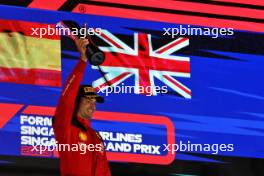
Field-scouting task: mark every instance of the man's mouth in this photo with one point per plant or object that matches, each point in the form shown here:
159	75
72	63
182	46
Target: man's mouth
91	110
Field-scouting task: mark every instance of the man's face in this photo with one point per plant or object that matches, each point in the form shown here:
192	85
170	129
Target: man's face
87	106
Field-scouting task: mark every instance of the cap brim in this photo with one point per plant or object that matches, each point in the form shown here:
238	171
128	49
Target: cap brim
99	99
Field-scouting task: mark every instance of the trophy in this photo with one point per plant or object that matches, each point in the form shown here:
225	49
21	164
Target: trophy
95	56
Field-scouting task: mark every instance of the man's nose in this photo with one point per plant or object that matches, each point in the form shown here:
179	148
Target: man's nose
93	103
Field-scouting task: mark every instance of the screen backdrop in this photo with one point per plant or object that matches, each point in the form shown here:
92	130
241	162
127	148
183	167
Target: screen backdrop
215	88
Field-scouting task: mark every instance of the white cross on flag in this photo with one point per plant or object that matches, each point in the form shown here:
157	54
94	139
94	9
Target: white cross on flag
143	63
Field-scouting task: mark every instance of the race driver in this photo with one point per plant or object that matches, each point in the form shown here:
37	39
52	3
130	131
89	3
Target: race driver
71	124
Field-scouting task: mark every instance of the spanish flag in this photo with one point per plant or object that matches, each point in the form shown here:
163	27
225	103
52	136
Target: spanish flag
28	58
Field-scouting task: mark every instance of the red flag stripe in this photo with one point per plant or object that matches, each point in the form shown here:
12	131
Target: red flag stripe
31	76
111	41
178	85
112	81
29	29
176	42
123	60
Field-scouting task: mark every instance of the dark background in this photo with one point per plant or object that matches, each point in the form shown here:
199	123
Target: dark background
27	166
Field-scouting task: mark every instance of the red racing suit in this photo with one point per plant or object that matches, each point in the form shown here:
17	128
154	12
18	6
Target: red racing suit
75	132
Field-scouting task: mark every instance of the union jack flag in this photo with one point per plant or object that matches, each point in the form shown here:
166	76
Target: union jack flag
144	63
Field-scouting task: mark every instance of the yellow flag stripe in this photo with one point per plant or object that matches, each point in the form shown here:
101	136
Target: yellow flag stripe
19	51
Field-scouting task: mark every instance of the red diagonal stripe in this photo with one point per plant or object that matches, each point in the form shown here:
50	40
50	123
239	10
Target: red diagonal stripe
194	7
166	17
47	4
7	111
250	2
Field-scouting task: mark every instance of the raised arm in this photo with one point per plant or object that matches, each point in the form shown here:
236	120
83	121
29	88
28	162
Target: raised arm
65	108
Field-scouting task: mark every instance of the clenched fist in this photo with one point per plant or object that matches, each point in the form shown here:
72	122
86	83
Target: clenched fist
81	46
